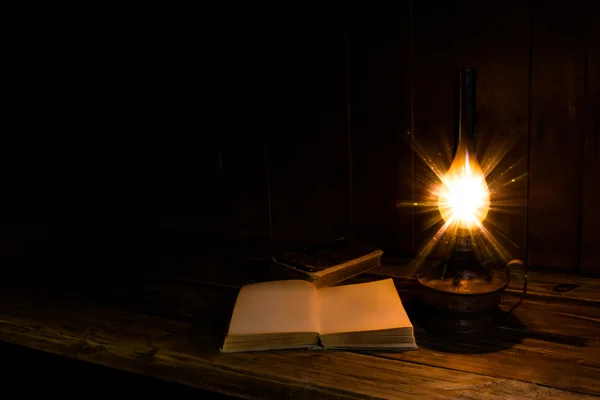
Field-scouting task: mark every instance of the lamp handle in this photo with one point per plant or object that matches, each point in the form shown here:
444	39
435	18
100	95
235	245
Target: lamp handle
510	265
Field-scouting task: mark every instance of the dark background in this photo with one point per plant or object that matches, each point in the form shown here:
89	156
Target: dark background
189	126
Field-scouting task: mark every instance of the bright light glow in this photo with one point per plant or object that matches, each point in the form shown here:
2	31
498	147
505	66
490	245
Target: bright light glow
463	196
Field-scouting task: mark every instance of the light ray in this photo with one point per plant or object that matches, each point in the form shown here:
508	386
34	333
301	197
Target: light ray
509	211
496	245
457	198
493	158
497	226
506	201
431	244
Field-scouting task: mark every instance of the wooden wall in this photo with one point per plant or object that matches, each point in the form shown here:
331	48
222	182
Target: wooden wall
590	212
323	105
259	125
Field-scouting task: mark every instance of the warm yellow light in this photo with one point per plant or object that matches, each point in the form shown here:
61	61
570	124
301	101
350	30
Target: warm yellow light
463	196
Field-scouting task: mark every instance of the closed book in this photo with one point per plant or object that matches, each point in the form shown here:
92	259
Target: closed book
326	265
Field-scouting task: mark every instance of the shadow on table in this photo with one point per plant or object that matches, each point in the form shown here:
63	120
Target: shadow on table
207	335
484	333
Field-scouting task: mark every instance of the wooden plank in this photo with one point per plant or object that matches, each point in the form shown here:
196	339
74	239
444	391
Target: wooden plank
449	35
544	285
56	374
590	217
236	272
219	269
518	390
242	147
207	76
557	105
305	117
185	353
380	121
180	183
546	336
549	336
435	68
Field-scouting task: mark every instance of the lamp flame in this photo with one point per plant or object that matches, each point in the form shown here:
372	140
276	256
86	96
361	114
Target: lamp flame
463	195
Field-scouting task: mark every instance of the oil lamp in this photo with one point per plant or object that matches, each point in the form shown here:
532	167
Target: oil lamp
463	290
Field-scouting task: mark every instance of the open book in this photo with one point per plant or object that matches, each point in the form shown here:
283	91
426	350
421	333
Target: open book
295	314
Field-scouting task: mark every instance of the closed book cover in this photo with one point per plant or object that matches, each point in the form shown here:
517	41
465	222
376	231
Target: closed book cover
326	265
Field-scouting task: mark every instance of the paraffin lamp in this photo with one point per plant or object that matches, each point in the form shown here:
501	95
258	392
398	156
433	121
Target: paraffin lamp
463	290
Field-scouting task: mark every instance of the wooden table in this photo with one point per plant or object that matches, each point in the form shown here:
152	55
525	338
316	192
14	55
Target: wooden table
171	328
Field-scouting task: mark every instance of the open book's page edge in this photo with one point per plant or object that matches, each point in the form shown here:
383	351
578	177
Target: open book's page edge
303	346
307	341
412	345
374	348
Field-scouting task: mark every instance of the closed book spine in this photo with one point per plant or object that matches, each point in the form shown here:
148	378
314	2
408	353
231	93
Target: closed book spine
321	271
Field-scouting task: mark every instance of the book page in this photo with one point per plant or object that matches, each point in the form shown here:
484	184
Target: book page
361	307
275	307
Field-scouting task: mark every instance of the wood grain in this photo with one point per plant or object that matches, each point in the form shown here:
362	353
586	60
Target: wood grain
380	121
176	351
449	35
557	109
590	218
516	389
550	336
550	341
542	285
